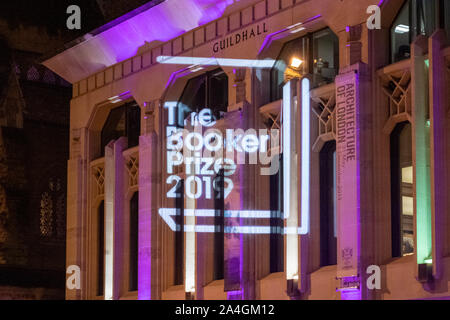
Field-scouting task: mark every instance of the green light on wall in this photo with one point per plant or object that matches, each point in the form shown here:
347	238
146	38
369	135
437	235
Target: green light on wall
423	186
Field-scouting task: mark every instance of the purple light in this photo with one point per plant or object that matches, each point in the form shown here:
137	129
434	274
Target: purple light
130	35
353	294
381	3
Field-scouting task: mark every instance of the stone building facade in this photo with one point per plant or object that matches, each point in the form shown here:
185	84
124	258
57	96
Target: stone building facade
361	170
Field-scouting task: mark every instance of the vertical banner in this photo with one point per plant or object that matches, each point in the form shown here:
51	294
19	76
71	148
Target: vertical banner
348	174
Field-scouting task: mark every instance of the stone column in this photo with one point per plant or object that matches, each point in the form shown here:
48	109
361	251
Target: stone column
76	209
114	197
439	187
148	144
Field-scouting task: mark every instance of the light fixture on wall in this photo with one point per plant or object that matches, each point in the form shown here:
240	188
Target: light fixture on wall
293	70
401	28
296	62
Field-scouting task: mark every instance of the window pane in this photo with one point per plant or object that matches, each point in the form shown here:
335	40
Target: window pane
402	206
179	235
426	17
325	57
294	49
219	235
209	90
276	220
100	248
134	242
124	121
115	127
192	99
401	35
447	17
133	125
328	234
218	93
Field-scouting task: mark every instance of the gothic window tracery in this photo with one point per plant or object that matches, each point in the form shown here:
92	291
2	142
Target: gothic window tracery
52	211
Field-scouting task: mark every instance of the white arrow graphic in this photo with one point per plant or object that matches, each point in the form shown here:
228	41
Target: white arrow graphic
167	215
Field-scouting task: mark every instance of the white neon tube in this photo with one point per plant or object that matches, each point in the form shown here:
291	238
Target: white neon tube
306	156
290	181
198	61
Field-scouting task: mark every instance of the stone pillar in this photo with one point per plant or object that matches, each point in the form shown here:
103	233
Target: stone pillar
354	45
114	197
439	188
148	278
353	154
76	209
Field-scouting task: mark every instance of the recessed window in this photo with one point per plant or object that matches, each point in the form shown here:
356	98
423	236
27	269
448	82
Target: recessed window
134	242
101	249
179	235
124	121
328	232
316	53
276	221
402	200
416	17
209	90
219	235
445	16
401	34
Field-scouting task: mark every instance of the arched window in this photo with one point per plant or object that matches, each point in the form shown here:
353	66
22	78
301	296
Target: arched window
316	54
134	242
53	211
124	121
209	90
417	17
101	249
402	202
328	234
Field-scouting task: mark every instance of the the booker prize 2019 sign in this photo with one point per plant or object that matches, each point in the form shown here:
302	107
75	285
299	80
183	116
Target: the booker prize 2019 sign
348	174
209	158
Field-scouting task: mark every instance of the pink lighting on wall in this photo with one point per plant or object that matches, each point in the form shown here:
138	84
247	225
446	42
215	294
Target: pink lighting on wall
124	39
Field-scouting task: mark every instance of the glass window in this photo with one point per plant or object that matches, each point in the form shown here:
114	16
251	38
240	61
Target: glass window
401	34
134	242
209	90
295	49
325	57
179	235
426	17
124	121
219	235
402	205
328	232
445	14
316	53
276	221
417	17
101	249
